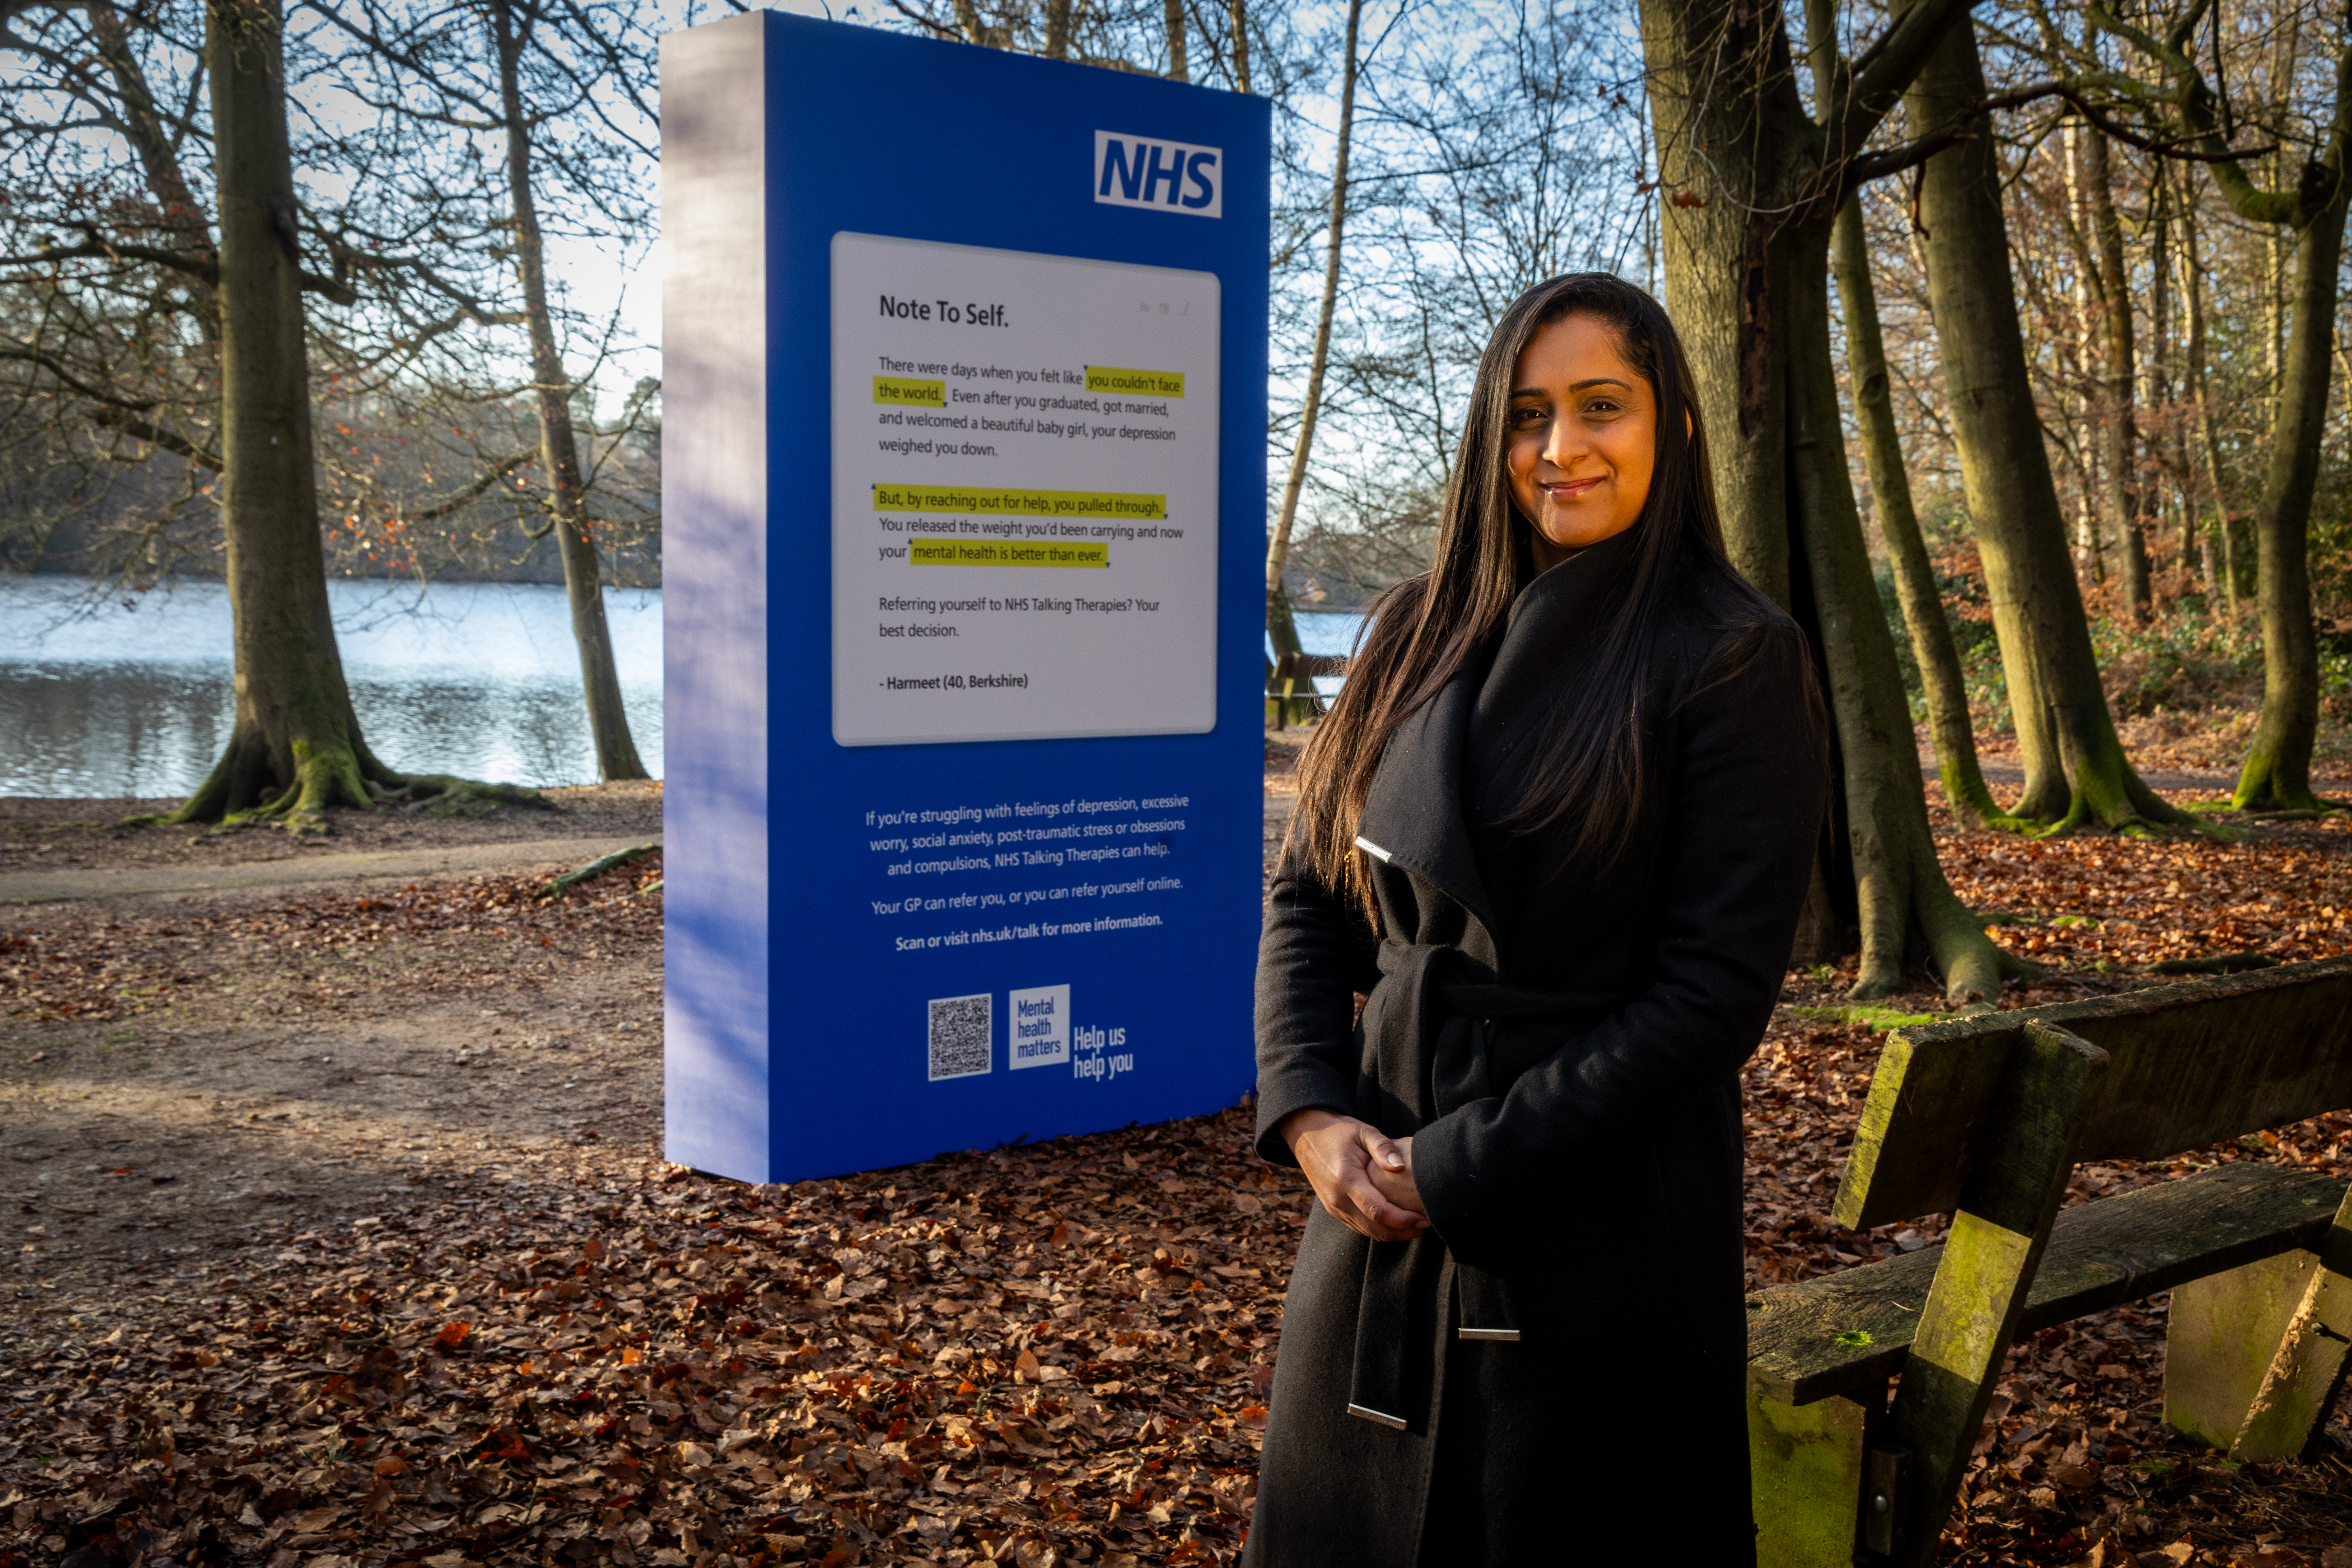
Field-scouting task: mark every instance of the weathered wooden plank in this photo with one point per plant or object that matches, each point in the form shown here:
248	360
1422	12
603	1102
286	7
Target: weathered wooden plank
2130	1246
1806	1469
2188	1065
2307	1371
2101	1255
1998	1235
1795	1352
2222	1334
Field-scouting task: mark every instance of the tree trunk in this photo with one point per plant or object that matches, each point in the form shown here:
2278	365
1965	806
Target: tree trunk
294	748
2222	554
1279	624
1173	11
2167	454
1057	30
1900	890
1724	278
1899	523
1747	260
2277	771
1241	43
608	722
1722	217
2075	771
2090	544
2118	422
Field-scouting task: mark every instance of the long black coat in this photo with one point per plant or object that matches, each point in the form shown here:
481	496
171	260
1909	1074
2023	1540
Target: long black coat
1555	1376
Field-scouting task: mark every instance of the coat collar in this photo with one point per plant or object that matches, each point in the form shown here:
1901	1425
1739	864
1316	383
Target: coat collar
1414	816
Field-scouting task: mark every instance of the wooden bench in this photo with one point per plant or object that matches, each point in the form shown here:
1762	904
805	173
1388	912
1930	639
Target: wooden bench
1984	1119
1286	677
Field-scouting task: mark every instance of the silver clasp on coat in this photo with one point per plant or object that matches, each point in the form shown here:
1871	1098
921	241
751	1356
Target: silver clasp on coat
1382	1416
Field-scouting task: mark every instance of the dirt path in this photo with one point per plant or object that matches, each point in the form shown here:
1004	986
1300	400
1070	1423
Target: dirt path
224	1055
115	882
49	835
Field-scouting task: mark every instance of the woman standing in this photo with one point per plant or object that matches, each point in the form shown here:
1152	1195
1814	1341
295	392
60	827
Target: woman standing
1558	826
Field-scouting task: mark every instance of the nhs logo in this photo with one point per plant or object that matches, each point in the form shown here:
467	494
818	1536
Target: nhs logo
1168	176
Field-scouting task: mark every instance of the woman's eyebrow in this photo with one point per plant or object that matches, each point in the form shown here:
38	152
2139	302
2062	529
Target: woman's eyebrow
1572	386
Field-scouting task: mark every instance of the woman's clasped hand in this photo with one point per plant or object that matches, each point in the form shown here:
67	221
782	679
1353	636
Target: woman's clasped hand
1360	1174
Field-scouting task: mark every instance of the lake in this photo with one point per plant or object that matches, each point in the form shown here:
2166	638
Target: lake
116	698
1329	632
111	698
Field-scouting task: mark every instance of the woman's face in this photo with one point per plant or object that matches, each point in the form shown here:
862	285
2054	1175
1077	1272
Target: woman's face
1583	438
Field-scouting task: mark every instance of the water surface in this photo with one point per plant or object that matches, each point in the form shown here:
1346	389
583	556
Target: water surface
121	697
1331	632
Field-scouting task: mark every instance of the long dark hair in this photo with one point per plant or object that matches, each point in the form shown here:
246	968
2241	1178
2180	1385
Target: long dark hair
1592	758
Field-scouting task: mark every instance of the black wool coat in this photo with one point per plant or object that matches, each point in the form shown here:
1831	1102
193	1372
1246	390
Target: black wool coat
1555	1376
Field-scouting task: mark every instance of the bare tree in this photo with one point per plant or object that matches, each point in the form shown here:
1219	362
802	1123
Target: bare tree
1280	625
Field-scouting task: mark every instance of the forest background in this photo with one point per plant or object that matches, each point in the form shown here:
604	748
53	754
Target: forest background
2019	332
2090	429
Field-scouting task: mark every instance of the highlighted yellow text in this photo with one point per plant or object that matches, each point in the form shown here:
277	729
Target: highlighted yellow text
1016	503
1135	383
1004	552
909	392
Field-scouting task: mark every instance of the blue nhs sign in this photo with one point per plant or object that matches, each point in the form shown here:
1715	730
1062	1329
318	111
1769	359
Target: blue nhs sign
962	850
1170	176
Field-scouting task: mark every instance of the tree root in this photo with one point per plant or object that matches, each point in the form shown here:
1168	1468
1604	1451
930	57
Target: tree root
1974	967
2101	789
559	886
2319	806
2273	784
444	794
242	790
2216	963
1970	799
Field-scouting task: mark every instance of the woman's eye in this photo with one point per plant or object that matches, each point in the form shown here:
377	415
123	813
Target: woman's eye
1525	418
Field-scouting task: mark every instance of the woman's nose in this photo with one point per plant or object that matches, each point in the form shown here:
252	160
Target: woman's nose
1564	443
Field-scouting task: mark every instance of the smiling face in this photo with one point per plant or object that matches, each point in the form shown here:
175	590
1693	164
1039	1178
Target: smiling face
1583	438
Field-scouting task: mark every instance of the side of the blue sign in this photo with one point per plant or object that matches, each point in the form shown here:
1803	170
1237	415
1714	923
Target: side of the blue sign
714	558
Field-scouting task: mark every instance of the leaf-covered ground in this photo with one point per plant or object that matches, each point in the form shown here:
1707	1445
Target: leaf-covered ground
1055	1353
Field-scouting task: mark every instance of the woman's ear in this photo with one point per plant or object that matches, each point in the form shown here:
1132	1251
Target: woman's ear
1689	426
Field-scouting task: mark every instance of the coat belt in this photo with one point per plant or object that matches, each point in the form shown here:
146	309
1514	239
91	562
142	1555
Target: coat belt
1430	1048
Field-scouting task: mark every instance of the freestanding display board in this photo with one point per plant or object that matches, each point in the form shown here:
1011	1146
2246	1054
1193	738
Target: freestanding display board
963	493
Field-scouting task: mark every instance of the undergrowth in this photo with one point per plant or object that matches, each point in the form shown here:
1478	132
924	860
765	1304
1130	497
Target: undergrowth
2192	674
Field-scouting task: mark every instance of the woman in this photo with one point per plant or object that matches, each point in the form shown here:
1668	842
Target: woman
1558	826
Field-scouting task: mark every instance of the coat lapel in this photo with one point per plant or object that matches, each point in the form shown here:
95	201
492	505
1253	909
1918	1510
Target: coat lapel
1412	814
1415	817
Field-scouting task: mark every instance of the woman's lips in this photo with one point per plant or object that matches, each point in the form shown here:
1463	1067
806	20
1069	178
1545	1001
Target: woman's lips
1569	490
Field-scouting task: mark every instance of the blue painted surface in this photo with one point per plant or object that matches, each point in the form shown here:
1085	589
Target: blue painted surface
811	1054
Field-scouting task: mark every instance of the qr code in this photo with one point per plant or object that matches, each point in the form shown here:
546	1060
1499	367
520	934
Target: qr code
960	1040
